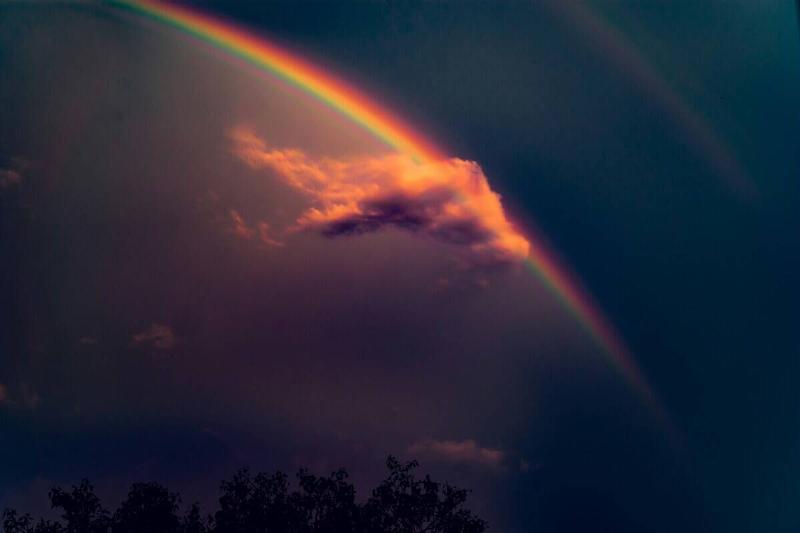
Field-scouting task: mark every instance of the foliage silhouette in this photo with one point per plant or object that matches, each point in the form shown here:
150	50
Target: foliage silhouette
149	507
266	503
81	508
402	503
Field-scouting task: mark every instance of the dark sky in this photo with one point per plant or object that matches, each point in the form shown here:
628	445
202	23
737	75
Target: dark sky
609	127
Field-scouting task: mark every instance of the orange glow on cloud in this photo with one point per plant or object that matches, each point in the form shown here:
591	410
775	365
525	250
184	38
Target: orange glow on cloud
448	199
240	228
466	451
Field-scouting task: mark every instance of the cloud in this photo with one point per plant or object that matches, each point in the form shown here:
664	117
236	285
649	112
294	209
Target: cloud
9	178
13	172
447	200
453	451
239	226
261	231
160	336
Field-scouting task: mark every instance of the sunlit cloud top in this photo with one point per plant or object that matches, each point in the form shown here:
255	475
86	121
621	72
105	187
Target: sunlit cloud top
448	200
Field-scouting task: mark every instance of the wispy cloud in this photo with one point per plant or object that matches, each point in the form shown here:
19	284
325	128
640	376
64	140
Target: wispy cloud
159	336
455	451
261	231
232	222
448	200
238	226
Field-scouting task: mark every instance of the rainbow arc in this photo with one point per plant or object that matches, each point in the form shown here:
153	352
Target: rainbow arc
401	137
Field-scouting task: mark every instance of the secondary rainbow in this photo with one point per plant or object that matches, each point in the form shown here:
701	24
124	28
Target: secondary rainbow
397	134
614	46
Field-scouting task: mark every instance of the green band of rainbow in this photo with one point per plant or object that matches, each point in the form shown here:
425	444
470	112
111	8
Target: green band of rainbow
398	135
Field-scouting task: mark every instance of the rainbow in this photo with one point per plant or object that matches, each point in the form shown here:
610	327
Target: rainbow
616	48
578	302
399	136
293	70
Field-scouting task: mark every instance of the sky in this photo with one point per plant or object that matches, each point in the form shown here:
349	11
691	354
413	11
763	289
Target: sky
189	284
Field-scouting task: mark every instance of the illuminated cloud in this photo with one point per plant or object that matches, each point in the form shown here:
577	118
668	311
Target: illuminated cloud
159	336
453	451
448	200
261	231
239	226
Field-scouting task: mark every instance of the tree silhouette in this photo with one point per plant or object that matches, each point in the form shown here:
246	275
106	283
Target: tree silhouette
325	504
250	504
402	503
81	509
148	507
264	503
193	522
12	523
